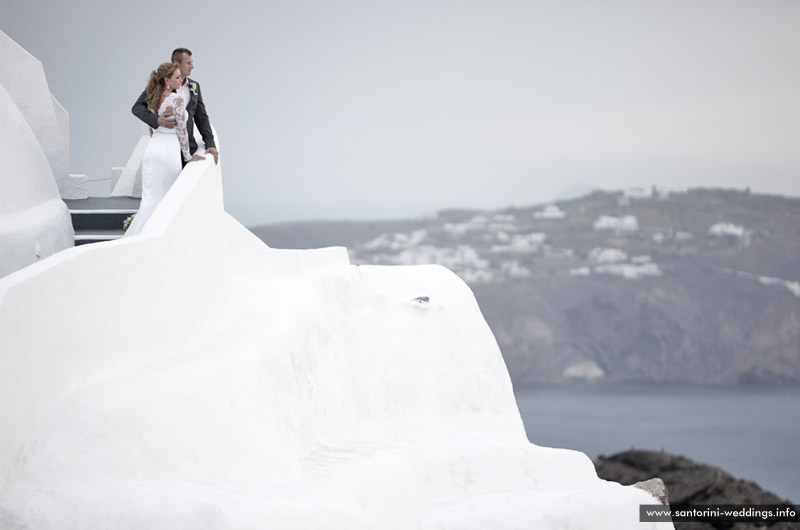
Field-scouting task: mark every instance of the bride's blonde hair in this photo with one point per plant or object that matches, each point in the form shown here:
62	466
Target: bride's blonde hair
155	85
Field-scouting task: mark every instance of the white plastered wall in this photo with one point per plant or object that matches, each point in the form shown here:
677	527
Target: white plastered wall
129	181
62	119
34	221
98	303
24	79
315	394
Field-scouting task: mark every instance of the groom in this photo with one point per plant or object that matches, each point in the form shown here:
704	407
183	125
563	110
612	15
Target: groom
190	91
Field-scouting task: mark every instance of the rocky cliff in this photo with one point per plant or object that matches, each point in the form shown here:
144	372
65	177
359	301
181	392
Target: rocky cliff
689	482
696	286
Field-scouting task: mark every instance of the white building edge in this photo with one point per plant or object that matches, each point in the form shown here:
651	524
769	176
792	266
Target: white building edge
34	140
193	377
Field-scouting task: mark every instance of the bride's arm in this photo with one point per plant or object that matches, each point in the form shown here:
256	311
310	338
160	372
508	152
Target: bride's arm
180	127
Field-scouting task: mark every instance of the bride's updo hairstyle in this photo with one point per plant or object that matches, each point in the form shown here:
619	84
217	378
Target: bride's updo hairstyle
155	85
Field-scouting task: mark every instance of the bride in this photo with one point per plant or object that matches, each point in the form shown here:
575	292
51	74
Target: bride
161	164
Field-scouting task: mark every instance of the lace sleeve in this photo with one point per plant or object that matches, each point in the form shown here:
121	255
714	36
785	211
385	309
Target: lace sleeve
180	127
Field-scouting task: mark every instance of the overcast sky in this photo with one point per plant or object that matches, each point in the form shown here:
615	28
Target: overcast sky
373	109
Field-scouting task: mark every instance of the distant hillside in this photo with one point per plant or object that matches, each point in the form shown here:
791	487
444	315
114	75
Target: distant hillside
698	286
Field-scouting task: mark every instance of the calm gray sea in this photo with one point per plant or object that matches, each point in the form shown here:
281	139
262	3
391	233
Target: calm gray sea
751	432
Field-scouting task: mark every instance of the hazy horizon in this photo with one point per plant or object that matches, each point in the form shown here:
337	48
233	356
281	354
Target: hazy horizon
362	110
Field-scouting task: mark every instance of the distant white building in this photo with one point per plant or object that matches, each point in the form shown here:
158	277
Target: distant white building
664	193
522	243
727	229
631	271
587	370
638	193
608	255
551	211
581	271
514	270
627	223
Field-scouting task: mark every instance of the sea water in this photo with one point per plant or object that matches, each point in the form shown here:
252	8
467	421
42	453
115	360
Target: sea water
752	433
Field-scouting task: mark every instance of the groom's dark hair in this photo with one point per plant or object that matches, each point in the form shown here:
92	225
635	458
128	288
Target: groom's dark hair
177	54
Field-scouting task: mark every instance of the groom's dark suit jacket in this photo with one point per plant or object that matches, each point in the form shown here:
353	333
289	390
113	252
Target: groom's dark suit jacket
197	114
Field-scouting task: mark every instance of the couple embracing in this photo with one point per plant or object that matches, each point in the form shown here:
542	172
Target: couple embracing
171	105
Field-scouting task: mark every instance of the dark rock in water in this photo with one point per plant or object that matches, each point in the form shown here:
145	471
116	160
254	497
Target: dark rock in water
689	482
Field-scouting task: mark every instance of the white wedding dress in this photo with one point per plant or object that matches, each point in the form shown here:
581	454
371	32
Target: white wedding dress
161	164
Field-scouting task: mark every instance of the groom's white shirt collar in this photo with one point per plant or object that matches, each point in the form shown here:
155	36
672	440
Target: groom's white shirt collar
185	93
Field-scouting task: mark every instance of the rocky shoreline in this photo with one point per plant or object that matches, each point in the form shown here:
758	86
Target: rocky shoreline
689	482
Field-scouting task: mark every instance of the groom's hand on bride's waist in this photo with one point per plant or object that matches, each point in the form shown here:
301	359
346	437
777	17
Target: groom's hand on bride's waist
168	122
